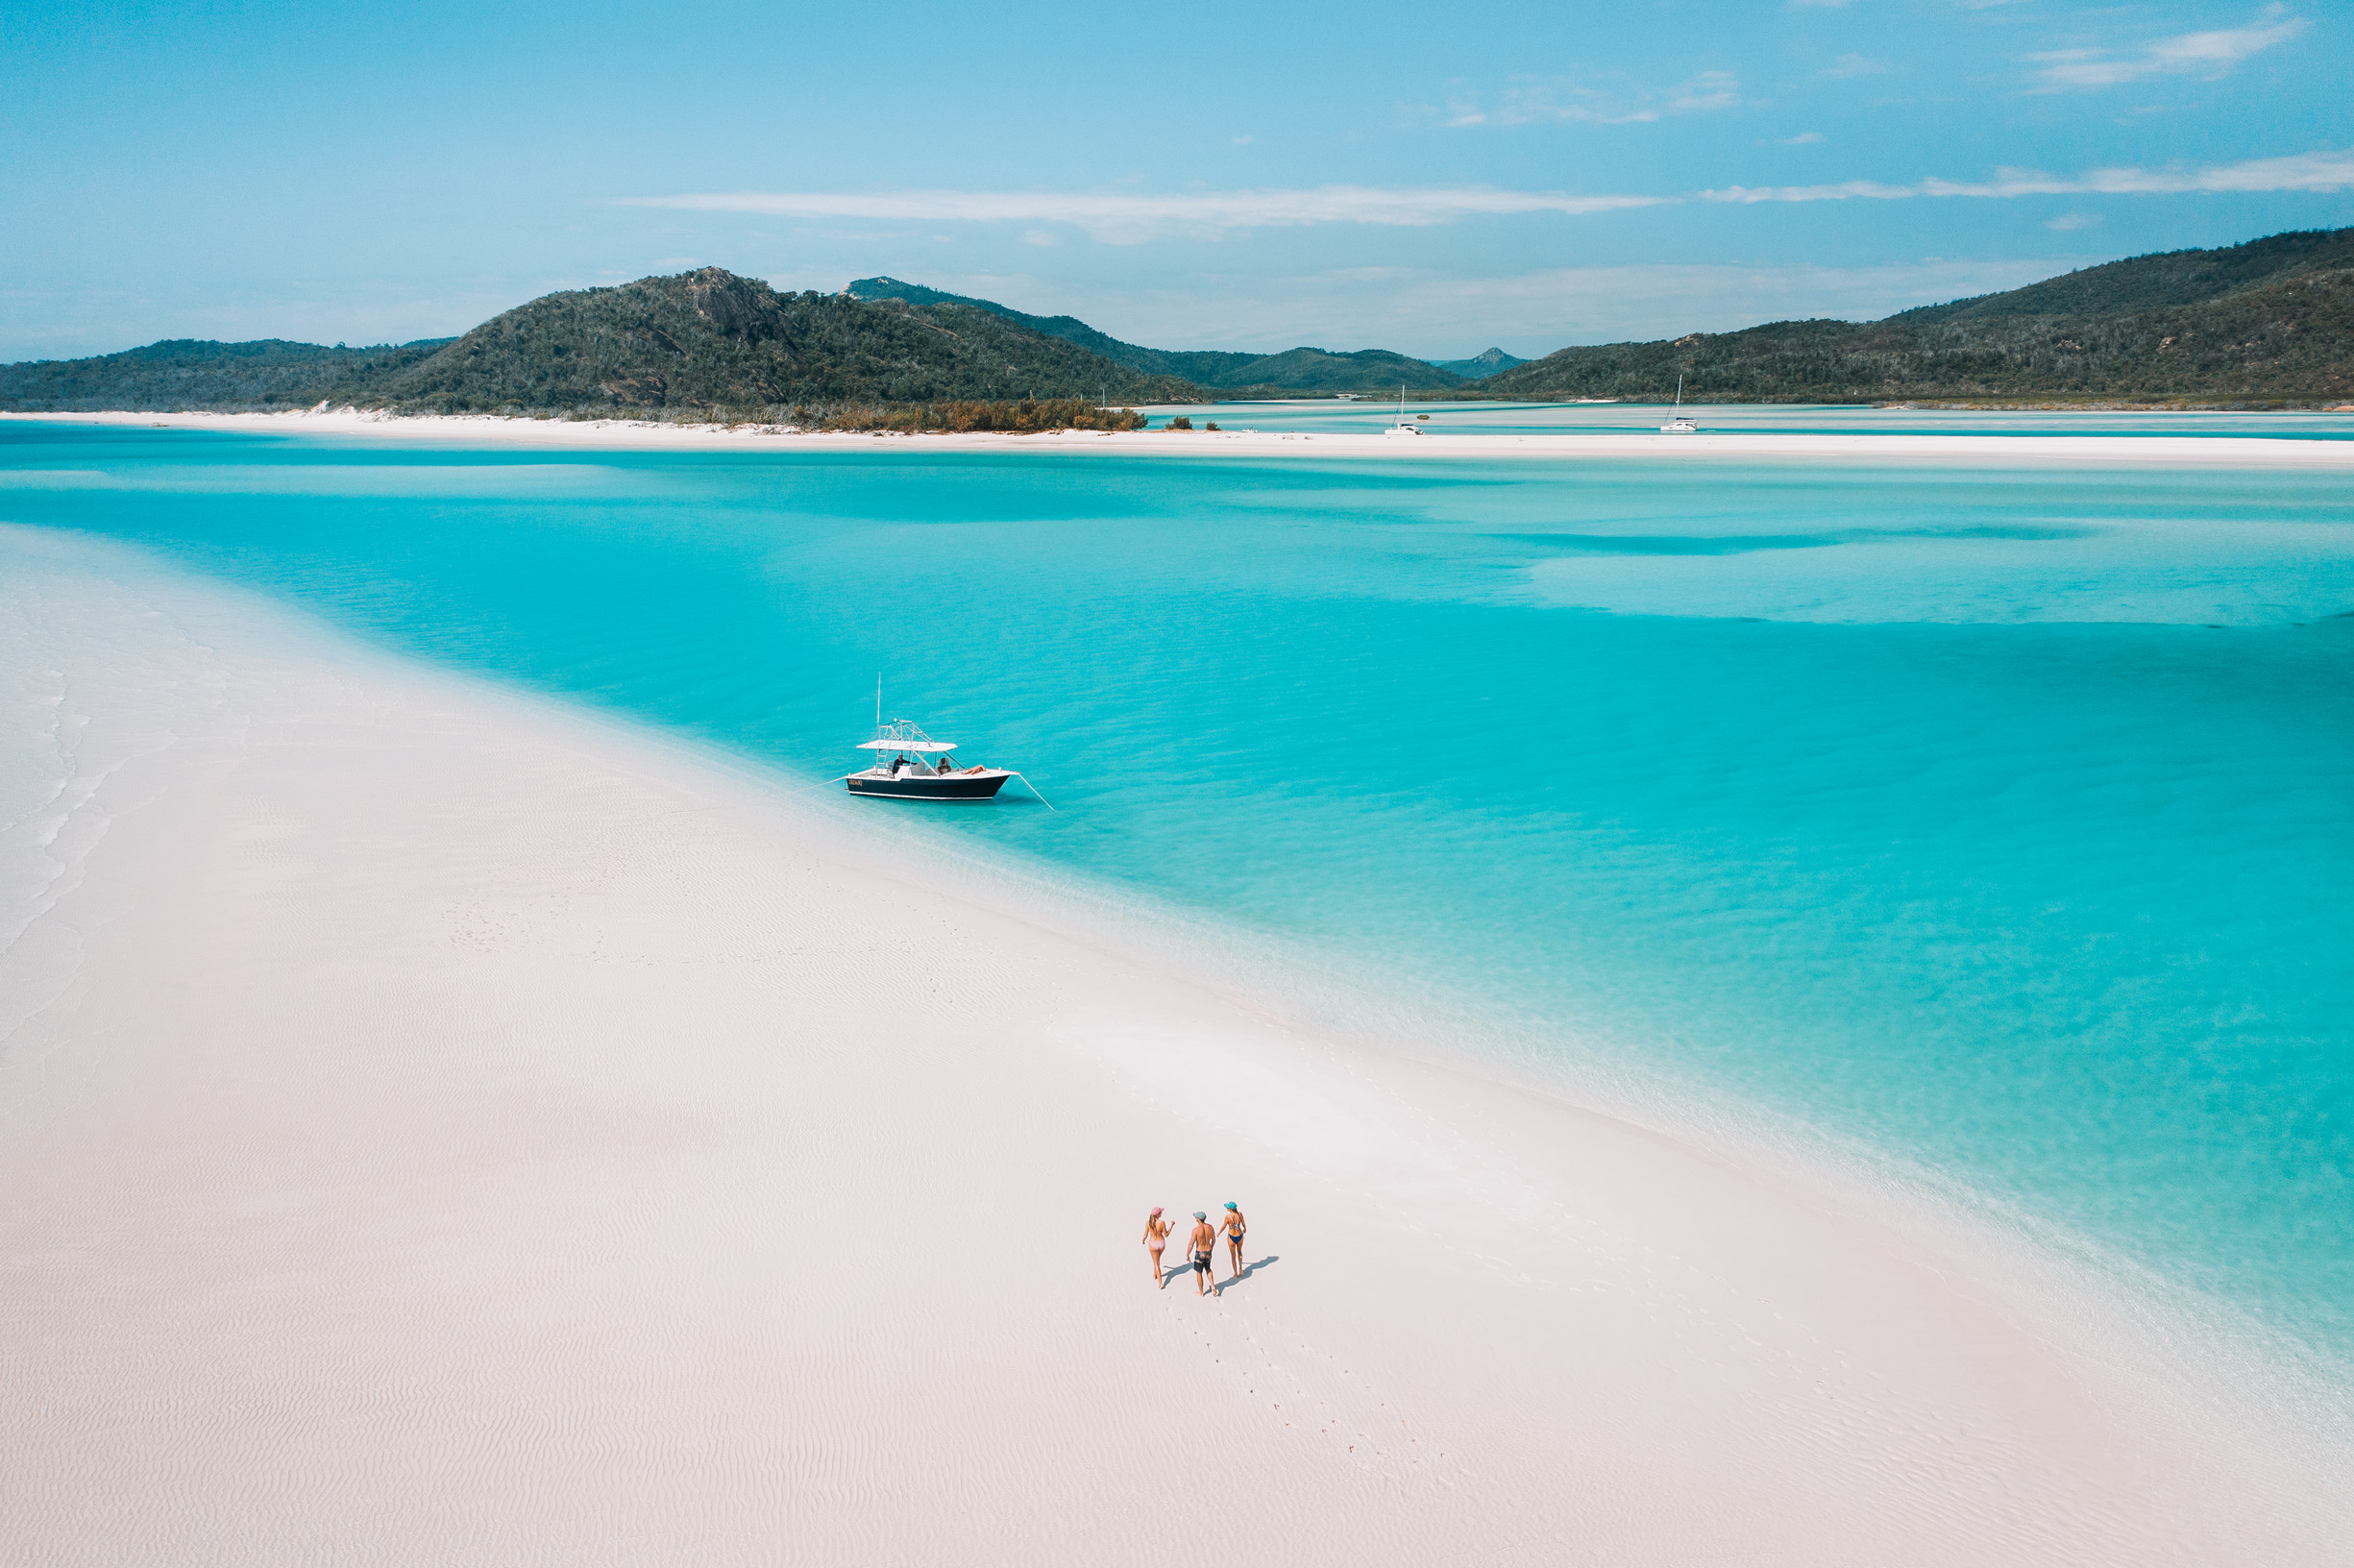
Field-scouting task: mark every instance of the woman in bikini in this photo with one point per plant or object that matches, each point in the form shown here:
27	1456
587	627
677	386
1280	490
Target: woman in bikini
1235	1227
1156	1236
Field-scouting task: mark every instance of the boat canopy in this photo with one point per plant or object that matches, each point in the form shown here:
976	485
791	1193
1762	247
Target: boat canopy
926	746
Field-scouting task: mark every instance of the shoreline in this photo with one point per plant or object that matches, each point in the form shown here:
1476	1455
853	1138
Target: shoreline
2021	450
615	1109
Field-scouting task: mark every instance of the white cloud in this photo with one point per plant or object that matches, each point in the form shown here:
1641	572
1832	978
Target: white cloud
2211	54
1805	138
1709	89
2302	171
1849	66
1560	101
1127	218
2075	220
1121	218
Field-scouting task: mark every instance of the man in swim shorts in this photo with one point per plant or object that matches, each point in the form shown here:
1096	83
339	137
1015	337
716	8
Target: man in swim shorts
1204	1243
1234	1226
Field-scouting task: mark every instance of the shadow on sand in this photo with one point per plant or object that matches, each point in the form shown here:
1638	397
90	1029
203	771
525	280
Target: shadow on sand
1173	1273
1249	1269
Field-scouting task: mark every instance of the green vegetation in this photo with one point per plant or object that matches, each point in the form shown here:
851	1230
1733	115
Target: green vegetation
2269	321
710	339
184	373
1027	416
701	342
2272	321
1481	365
1231	375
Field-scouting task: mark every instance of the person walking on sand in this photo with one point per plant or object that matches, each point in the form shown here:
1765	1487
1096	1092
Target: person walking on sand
1205	1244
1235	1226
1156	1236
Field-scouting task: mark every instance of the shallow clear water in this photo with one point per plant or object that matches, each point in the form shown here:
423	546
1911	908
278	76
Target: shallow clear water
2000	820
1371	415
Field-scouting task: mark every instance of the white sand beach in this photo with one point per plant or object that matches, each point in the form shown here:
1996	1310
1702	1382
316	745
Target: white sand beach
437	1126
2008	451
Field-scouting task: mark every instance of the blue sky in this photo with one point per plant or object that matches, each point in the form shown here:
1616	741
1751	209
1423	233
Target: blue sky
1431	179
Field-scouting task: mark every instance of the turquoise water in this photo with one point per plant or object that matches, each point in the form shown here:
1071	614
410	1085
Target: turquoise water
1328	416
1998	821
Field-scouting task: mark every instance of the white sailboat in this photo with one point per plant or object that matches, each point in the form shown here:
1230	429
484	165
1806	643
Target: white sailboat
1676	424
1403	426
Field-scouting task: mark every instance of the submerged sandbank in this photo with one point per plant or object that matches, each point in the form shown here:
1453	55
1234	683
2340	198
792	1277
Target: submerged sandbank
436	1126
2007	451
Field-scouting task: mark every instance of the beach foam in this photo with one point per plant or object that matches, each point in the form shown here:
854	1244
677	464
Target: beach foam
445	1128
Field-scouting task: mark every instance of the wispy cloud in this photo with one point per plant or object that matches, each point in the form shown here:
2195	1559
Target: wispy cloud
1128	218
1124	218
2075	220
2302	171
1805	138
2211	54
1561	101
1852	65
1709	89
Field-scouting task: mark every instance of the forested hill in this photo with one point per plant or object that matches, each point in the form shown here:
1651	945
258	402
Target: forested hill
2270	319
1485	364
1294	370
186	373
707	339
712	339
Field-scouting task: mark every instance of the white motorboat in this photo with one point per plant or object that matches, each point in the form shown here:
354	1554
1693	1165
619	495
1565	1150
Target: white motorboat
923	769
920	768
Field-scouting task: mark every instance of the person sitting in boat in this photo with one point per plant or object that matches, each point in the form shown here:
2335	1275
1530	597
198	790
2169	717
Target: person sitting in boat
899	766
943	767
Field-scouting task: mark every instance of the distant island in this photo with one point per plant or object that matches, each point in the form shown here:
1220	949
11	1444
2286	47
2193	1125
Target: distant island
1218	374
2269	322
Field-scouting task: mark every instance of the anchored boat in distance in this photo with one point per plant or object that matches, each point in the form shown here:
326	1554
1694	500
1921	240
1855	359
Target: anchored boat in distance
923	769
1676	424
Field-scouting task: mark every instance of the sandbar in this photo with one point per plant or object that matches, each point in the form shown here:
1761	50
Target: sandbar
438	1125
1980	450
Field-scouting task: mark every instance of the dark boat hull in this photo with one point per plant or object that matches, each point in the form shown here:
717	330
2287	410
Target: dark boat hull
931	786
